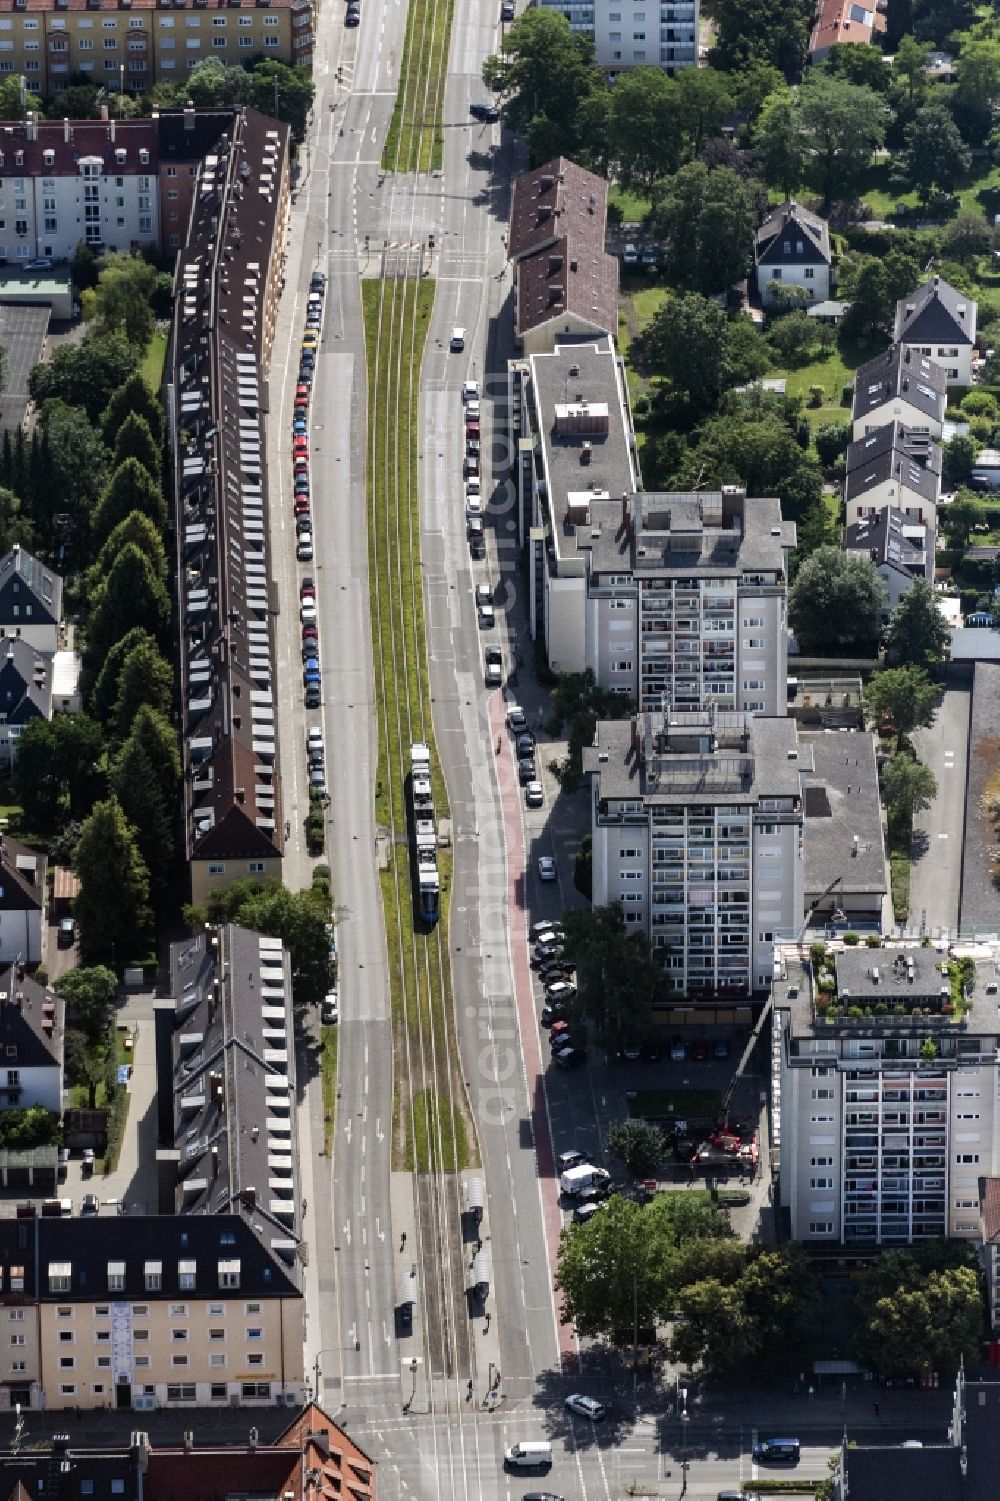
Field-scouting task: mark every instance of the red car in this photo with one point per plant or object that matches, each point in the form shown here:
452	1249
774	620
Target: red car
301	505
472	429
301	393
310	632
300	463
300	444
699	1051
307	589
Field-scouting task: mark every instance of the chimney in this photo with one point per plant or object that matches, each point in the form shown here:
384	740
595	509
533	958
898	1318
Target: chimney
188	1441
104	113
937	282
111	126
31	121
189	116
67	133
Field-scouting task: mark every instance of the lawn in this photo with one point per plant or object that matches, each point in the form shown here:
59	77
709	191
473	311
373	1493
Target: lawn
328	1063
415	139
831	372
152	361
633	206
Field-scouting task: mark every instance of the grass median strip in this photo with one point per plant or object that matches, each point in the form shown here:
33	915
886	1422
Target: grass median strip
328	1058
415	139
426	1055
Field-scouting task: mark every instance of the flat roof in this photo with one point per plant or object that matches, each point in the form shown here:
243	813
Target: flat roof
841	805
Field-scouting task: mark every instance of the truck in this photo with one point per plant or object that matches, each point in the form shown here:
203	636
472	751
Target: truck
585	1175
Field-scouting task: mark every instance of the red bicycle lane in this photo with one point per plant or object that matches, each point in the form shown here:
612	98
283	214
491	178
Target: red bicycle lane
534	1068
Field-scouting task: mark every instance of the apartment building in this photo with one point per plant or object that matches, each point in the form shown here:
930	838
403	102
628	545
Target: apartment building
128	45
893	466
903	386
939	323
888	1102
847	879
566	285
902	550
226	291
226	1085
184	137
636	33
664	597
697	827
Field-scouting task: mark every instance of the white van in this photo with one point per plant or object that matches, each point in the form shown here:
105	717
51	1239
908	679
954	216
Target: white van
584	1175
529	1456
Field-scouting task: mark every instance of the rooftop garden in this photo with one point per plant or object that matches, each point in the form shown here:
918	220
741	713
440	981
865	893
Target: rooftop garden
958	974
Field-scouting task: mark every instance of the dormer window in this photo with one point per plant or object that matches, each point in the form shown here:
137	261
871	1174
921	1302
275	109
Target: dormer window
120	156
229	1274
116	1276
143	157
49	158
153	1276
60	1276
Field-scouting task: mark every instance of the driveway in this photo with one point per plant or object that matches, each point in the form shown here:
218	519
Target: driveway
935	877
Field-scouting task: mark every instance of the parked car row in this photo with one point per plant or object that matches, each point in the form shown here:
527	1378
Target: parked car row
312	679
474	526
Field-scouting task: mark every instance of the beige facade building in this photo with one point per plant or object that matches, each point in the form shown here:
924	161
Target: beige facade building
132	44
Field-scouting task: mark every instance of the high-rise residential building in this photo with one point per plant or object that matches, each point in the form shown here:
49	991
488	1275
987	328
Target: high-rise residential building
697	828
888	1089
636	33
669	598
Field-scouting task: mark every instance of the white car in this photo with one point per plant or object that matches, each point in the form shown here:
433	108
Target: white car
307	613
484	594
470	391
473	485
457	340
487	619
546	868
585	1407
472	411
314	738
630	255
473	507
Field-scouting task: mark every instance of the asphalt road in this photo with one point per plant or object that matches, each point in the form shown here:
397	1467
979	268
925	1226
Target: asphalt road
935	874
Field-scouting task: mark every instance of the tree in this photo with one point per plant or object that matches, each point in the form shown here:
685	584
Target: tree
958	519
87	1062
843	124
934	21
835	603
831	441
131	595
686	340
966	236
79	101
640	1145
923	1322
131	488
781	154
977	87
113	905
706	219
156	736
618	979
762	31
918	633
84	374
859	62
796	337
751	444
644	129
298	918
935	156
145	681
138	529
284	92
752	86
909	64
57	773
12	105
135	441
874	286
759	1314
907	787
711	1326
103	693
958	458
62	497
544	73
90	997
213	85
578	702
903	696
133	396
133	781
705	100
122	298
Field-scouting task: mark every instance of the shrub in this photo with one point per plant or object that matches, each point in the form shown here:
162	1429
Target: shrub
852	940
979	404
873	941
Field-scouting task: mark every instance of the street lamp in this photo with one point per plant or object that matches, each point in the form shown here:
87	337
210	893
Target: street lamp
684	1423
325	1351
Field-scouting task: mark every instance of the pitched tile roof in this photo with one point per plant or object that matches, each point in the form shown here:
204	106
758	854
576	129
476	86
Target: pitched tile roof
22	873
45	587
786	229
553	201
899	372
56	147
842	22
891	540
25	681
989	1209
935	314
31	1020
569	277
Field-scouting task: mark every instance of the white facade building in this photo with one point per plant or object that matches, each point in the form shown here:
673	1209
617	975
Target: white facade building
636	33
697	826
901	386
939	323
792	249
892	466
881	1143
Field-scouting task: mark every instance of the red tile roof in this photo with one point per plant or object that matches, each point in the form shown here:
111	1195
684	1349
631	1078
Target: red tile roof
569	277
71	140
556	200
841	22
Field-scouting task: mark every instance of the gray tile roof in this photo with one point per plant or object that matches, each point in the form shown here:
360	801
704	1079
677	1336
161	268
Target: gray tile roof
841	802
927	1474
25	580
899	373
22	876
875	468
785	230
891	541
31	1020
227	1079
936	314
25	682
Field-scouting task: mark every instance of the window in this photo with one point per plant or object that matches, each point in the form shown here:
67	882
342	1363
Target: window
140	1334
178	1311
65	1336
16	1315
217	1310
184	1391
102	1337
179	1336
60	1276
255	867
66	1362
17	1340
141	1362
178	1360
216	1360
153	1273
255	1334
820	1227
820	1182
821	1162
809	273
229	1274
186	1271
967	1157
259	1390
250	1309
246	41
271	41
116	1276
103	1362
217	870
67	1390
753	643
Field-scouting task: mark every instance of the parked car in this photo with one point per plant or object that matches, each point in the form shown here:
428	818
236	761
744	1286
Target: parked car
543	925
677	1053
550	1014
527	772
330	1009
533	794
548	948
630	255
560	990
481	110
487	617
87	1162
300	505
304	550
90	1204
317	781
546	868
507	11
67	933
699	1051
720	1048
313	697
572	1058
526	744
492	672
586	1211
307	587
516	721
569	1159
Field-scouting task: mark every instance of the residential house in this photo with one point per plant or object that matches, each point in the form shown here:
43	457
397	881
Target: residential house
939	323
31	1042
25	692
566	285
612	568
145	42
184	137
792	249
22	902
227	285
902	550
899	385
842	23
631	35
697	829
30	600
895	467
884	1139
